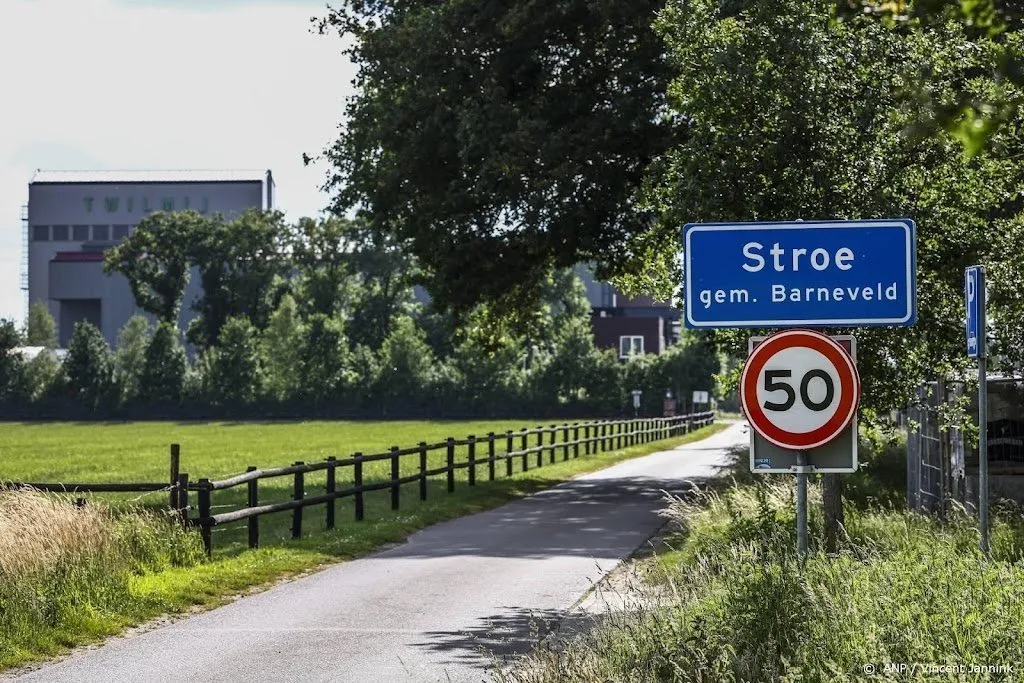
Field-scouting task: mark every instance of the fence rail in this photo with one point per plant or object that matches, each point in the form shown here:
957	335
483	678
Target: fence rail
483	456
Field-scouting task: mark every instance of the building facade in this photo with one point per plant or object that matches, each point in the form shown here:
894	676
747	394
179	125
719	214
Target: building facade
631	326
73	217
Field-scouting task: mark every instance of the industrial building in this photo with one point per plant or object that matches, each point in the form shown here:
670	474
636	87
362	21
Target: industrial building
73	217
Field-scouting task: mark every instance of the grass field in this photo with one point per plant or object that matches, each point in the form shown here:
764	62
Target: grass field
143	571
122	452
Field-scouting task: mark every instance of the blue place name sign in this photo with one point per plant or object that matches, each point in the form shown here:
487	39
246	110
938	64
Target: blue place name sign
797	273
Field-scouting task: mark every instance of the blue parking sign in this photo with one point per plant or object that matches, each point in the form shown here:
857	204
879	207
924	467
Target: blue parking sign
974	293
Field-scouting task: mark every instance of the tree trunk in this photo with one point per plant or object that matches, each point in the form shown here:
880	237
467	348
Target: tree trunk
832	495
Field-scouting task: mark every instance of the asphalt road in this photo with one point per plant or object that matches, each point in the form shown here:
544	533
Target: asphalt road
442	607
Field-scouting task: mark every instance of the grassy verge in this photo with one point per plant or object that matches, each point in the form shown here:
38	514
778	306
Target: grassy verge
732	601
87	581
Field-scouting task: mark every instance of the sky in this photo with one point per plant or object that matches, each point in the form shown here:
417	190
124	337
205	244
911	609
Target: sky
163	84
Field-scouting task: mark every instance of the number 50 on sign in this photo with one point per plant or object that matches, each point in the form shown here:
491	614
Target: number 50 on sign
799	390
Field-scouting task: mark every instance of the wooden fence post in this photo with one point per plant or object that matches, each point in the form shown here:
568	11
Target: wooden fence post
182	505
540	445
205	506
423	470
554	435
586	438
175	471
395	476
576	440
357	484
331	488
253	499
508	449
565	442
451	464
523	445
490	456
297	494
472	460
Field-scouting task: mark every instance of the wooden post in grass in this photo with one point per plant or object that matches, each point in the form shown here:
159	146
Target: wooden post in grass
357	484
472	460
490	456
175	471
554	435
508	449
297	494
451	464
205	505
252	501
576	439
540	445
523	445
586	438
423	470
182	506
565	442
395	476
331	488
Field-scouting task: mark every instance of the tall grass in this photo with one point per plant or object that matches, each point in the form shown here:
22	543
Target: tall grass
66	572
733	601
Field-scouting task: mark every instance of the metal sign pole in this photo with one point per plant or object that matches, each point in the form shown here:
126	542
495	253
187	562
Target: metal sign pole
982	413
801	503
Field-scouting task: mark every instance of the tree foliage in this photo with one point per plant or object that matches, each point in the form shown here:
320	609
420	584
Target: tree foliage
791	115
41	328
496	141
155	259
89	366
130	357
163	374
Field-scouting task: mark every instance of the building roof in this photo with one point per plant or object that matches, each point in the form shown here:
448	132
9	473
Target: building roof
137	176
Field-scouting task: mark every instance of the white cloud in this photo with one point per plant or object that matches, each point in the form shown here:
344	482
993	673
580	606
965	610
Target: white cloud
105	84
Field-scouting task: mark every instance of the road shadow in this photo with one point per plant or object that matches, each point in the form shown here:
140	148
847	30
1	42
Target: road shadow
598	518
495	641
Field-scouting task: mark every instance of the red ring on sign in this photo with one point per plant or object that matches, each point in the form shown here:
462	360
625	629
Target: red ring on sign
849	389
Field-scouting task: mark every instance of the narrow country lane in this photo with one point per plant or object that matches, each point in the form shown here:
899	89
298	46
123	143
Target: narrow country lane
427	609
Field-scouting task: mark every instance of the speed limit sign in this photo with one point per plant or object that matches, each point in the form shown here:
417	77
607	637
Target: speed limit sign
799	389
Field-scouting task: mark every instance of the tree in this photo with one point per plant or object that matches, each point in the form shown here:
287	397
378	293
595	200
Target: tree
240	264
280	348
12	365
89	366
499	140
41	327
791	115
325	365
386	274
155	259
406	364
970	116
130	358
232	368
321	251
163	374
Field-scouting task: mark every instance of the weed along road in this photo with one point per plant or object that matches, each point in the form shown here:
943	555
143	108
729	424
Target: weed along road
429	609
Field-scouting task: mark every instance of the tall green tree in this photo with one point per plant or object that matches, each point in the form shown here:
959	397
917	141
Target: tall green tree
12	365
499	140
41	328
241	263
232	372
89	366
280	351
163	374
130	357
322	251
156	259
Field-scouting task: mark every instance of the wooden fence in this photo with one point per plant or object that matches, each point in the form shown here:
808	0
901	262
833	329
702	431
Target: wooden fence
487	453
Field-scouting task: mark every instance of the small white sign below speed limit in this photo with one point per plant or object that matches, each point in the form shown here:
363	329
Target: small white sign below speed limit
799	389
